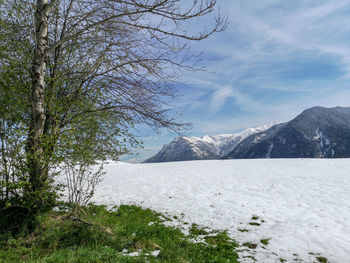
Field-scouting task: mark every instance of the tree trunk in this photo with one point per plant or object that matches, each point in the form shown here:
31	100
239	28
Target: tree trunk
4	160
36	158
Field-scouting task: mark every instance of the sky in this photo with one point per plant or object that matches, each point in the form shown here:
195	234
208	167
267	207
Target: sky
275	59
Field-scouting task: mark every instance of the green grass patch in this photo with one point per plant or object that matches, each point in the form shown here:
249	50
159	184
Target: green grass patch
197	231
322	259
254	224
110	236
265	241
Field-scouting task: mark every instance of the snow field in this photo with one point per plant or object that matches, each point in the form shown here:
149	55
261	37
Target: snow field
302	206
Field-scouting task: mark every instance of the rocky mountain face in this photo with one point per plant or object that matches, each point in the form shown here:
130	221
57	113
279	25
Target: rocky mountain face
205	148
316	133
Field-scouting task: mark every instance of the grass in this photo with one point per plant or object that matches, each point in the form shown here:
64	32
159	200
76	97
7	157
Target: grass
110	236
265	241
197	231
322	259
250	245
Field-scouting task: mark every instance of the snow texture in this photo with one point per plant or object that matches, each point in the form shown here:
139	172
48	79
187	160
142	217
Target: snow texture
302	205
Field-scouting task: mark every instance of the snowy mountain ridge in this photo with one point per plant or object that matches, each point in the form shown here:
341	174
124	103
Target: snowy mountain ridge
206	147
317	132
224	143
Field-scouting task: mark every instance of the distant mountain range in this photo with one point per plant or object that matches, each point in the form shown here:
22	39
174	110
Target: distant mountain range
315	133
204	148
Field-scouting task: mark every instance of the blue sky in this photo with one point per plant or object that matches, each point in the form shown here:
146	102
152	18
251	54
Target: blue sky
275	59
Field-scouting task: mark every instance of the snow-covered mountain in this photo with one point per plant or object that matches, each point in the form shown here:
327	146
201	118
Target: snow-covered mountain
203	148
317	132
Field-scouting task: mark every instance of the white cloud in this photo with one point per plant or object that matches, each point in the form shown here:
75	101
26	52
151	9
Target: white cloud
260	34
265	33
219	98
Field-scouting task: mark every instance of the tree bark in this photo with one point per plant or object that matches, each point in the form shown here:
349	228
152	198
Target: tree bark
37	170
4	160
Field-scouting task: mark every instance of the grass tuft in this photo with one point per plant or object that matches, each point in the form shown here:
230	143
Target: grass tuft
265	241
322	259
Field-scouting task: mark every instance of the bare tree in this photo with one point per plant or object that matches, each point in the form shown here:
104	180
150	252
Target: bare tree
82	180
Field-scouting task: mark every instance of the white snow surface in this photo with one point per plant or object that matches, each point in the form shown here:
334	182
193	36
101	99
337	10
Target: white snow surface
304	203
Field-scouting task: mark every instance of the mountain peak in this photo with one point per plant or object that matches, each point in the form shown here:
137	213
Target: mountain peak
317	132
206	147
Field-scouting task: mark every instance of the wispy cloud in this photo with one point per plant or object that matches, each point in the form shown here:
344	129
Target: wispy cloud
219	98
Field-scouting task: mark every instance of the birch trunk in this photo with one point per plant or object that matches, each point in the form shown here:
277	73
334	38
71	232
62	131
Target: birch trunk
6	176
37	170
